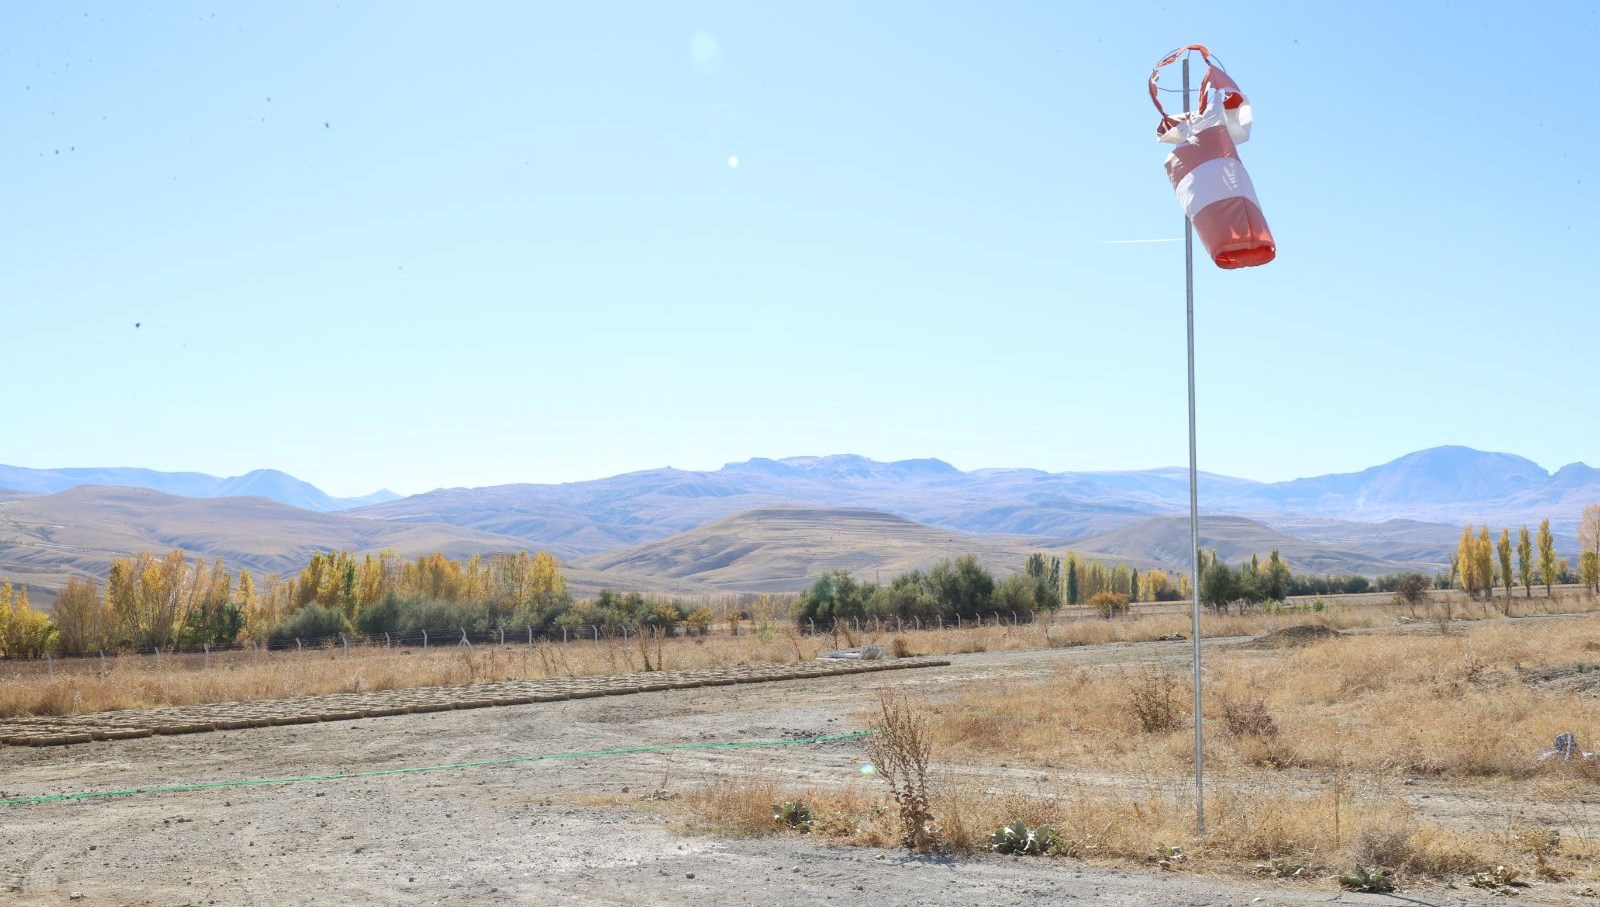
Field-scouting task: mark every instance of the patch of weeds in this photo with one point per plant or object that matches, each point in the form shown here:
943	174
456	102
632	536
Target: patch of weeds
1542	843
794	814
1168	857
1372	879
1282	869
1019	839
1499	879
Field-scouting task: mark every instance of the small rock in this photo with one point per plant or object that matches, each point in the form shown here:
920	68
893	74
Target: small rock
688	875
77	896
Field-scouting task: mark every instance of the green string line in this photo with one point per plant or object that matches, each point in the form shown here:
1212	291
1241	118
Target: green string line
515	760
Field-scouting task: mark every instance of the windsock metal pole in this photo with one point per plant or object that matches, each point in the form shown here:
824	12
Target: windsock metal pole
1194	510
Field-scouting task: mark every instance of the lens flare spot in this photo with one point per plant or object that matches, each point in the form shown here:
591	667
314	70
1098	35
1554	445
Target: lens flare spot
733	162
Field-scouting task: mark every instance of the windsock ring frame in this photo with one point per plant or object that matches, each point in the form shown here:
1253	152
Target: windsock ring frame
1204	167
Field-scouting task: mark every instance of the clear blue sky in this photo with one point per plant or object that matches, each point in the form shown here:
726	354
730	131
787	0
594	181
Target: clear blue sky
438	244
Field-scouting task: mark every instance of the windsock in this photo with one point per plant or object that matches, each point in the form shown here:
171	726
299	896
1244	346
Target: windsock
1206	173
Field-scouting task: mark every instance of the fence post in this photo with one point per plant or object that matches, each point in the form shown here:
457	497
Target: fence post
596	629
502	636
1033	617
424	639
49	664
958	621
813	623
464	641
345	641
940	619
624	632
563	634
857	620
1013	618
387	643
207	647
158	658
102	661
530	636
917	619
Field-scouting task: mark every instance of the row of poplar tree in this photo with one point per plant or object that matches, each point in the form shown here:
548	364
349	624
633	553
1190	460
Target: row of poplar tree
1481	563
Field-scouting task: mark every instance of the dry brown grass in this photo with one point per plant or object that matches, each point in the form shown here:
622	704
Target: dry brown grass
1475	703
1247	826
1307	750
139	681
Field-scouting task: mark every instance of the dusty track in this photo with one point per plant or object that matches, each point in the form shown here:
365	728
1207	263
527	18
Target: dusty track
233	716
547	832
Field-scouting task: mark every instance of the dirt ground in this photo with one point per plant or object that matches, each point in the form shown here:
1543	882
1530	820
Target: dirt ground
550	832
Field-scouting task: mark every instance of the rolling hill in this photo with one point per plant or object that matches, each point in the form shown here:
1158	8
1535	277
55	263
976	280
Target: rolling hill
782	549
45	538
266	483
1165	542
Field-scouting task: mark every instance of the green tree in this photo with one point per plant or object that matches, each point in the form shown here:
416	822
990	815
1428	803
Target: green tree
1275	578
962	586
1072	581
1547	556
834	596
1218	586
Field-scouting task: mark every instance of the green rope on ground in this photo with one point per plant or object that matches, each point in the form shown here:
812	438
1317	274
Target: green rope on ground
515	760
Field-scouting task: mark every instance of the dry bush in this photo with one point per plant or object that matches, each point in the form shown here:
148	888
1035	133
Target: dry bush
1248	716
1154	700
900	749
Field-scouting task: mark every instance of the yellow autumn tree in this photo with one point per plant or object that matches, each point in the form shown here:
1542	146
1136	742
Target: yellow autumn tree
1467	563
1547	556
81	616
1503	548
1483	553
24	632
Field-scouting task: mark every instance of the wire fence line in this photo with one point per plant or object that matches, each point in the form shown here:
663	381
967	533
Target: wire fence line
465	637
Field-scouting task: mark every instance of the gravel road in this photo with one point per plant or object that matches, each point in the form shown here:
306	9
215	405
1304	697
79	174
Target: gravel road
548	832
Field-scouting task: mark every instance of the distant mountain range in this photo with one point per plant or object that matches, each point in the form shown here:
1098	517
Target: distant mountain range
263	483
1447	484
772	524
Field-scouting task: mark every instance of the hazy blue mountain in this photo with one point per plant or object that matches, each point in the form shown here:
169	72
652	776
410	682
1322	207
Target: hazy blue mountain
1448	485
266	483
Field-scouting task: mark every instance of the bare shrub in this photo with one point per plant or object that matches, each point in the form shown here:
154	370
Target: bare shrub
1153	697
899	648
1248	717
1385	839
900	749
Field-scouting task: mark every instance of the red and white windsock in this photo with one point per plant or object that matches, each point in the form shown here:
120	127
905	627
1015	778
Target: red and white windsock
1205	170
